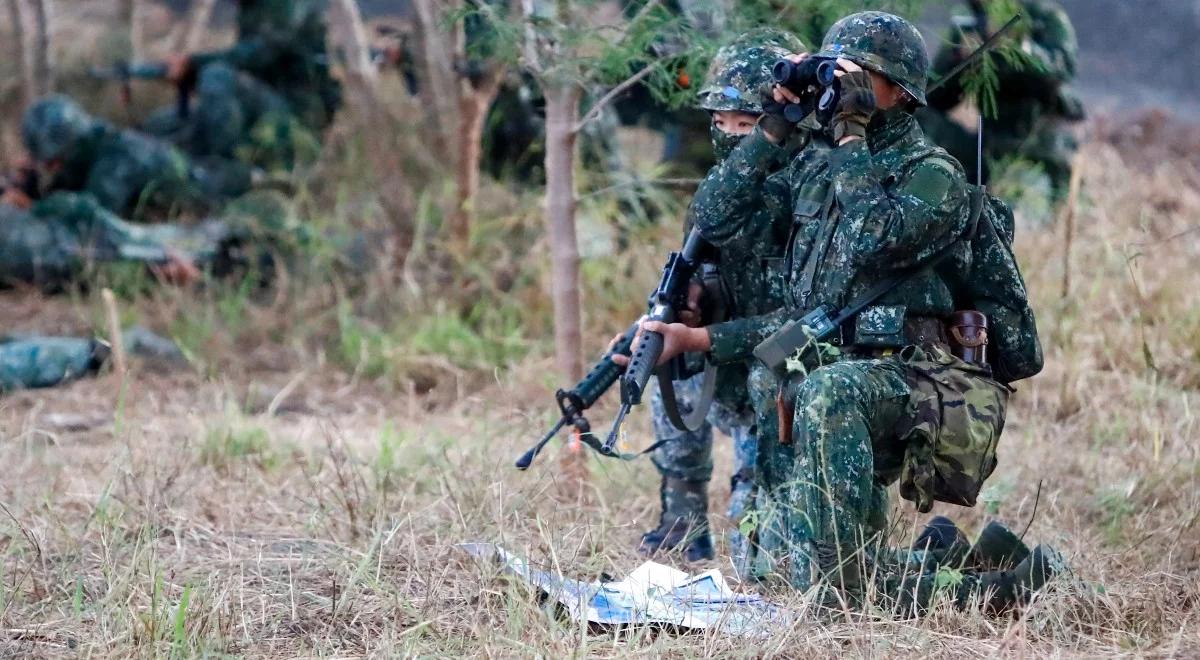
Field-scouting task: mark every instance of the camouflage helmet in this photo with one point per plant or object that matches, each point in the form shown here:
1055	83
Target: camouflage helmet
742	67
52	125
883	43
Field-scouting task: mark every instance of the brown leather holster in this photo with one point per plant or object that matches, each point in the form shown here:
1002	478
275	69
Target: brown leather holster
785	407
968	336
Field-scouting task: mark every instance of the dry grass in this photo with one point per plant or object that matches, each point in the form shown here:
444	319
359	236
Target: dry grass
272	504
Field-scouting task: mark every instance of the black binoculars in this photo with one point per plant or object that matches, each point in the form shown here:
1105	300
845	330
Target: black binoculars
812	79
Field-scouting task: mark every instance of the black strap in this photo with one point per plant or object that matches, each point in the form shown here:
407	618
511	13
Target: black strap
693	420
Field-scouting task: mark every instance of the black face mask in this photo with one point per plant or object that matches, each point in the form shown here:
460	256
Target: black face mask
723	143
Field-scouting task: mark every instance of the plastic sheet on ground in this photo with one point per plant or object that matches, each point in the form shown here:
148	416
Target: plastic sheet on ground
653	594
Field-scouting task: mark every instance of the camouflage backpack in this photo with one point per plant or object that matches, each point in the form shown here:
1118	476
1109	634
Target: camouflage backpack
991	282
957	410
994	286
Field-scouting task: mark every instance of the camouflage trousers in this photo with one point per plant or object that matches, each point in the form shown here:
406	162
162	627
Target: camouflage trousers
688	455
821	505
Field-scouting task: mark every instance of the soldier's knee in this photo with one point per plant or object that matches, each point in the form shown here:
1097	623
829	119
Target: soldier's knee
831	386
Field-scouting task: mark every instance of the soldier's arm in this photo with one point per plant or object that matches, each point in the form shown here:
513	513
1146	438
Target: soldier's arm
726	203
734	341
97	231
926	211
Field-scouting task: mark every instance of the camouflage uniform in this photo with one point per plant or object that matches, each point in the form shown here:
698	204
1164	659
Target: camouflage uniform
860	212
131	174
266	99
64	234
749	272
51	244
1034	104
34	361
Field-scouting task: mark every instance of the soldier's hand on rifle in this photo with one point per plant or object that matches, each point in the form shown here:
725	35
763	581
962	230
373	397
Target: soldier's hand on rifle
178	270
678	339
179	65
691	315
13	196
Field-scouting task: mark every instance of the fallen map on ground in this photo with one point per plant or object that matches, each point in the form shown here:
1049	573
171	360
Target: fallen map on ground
653	594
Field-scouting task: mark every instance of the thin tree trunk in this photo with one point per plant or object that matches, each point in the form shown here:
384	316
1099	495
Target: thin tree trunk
132	15
21	52
346	27
473	105
437	74
562	112
43	72
188	35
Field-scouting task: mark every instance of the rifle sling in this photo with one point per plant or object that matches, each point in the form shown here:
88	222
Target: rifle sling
693	420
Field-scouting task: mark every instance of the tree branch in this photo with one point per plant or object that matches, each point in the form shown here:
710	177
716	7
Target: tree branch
612	94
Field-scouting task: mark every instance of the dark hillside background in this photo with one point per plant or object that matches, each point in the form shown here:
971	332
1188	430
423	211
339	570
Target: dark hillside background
1134	53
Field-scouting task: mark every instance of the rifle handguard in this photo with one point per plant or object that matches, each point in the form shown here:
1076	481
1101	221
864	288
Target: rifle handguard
641	367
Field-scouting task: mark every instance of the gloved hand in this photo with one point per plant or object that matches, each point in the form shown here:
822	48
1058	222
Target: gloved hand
772	122
856	104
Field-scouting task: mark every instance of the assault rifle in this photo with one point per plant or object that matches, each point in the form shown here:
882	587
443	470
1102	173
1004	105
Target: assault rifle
124	72
667	298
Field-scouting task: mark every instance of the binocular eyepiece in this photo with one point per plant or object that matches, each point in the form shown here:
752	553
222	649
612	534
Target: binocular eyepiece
810	72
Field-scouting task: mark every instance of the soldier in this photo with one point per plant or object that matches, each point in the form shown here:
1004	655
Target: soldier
748	267
131	174
267	98
875	200
52	244
1034	103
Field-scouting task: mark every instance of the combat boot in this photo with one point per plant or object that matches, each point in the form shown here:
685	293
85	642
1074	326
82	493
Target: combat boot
941	543
1006	589
998	548
684	521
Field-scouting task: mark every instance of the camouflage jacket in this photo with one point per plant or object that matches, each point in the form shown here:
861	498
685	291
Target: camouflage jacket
750	251
1027	91
50	244
135	176
282	43
860	213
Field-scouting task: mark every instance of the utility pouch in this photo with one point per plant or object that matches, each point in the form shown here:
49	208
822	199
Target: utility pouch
796	335
880	326
950	432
